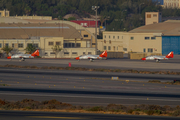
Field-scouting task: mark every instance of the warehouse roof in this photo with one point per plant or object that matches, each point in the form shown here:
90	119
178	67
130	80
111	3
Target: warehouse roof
28	30
170	27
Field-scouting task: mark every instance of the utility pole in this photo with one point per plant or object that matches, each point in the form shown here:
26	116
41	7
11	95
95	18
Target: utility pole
95	8
140	8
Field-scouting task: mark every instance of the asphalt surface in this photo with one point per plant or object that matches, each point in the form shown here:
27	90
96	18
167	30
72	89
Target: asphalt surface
86	88
164	65
25	115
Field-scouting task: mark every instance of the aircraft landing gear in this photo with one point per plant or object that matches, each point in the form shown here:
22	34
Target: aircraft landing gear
22	59
157	60
91	60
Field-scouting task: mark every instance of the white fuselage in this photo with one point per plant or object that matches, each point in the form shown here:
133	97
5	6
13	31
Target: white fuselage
25	56
90	57
156	58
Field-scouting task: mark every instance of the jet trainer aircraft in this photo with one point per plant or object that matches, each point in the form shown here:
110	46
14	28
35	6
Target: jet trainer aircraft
24	56
92	57
158	58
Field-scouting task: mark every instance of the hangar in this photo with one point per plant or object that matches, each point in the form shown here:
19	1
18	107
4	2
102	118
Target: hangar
74	39
158	38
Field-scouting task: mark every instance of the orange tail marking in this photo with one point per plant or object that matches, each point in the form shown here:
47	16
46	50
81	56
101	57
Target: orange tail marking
170	55
36	53
104	54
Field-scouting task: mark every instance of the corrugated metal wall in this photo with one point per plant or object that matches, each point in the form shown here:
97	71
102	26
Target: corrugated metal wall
170	43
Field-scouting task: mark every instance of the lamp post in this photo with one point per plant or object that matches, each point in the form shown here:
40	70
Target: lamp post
95	8
140	7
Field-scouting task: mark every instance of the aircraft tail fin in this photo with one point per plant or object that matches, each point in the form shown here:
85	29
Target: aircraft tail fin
170	55
36	53
104	54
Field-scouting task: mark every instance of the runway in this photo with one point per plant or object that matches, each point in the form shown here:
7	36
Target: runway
25	115
86	88
164	65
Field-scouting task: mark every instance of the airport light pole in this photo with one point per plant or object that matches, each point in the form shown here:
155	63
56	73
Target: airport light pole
140	7
95	8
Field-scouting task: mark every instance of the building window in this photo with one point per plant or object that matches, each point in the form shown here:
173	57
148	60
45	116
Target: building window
125	49
20	45
6	44
89	53
109	41
113	37
104	41
109	47
104	47
51	43
105	36
66	53
78	44
122	37
144	50
46	54
154	15
132	38
84	53
146	38
74	53
150	50
109	36
58	43
52	53
118	37
148	15
93	43
12	45
0	45
85	35
153	38
36	45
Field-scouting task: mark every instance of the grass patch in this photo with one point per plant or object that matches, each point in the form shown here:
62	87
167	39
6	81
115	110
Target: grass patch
98	69
57	106
4	85
154	81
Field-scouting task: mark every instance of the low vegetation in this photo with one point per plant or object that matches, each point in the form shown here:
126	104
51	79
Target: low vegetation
175	82
94	69
54	105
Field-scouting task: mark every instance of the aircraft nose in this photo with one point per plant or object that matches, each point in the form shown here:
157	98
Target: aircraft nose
143	59
9	57
77	58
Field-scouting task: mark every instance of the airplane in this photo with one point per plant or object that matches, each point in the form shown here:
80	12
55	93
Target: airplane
92	57
158	58
24	56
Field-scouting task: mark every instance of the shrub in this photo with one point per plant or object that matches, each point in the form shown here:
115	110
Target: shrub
149	112
176	113
95	109
130	111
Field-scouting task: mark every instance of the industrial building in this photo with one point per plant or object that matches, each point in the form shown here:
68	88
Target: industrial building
74	39
158	38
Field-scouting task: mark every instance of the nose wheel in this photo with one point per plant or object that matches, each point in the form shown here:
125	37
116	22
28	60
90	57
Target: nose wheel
91	60
157	60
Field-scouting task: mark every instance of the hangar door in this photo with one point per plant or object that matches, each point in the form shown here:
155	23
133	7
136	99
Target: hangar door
170	43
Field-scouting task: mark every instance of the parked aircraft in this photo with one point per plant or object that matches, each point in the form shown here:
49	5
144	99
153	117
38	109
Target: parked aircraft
92	57
158	58
24	56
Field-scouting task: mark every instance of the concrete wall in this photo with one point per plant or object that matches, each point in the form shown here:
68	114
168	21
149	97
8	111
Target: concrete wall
138	56
112	41
152	17
171	3
138	42
33	17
